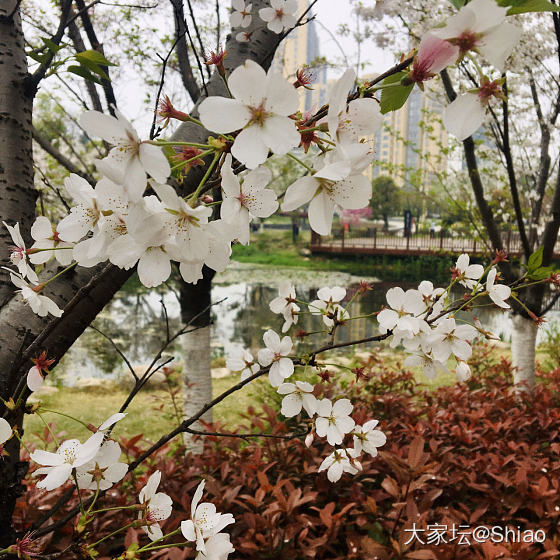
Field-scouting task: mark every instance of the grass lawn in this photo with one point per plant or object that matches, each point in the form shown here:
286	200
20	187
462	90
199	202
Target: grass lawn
145	414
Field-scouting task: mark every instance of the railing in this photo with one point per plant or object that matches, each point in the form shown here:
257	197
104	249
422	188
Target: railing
373	241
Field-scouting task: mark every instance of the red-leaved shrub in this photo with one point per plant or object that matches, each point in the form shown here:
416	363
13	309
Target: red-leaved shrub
474	454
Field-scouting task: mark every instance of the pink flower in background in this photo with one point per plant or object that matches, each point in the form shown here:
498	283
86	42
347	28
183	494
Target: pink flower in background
354	217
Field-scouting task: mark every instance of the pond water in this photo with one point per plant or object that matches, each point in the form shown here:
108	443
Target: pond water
136	321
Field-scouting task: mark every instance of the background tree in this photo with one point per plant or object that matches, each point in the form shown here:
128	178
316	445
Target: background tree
386	199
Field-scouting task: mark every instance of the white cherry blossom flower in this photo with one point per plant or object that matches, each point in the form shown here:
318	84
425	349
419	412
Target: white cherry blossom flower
349	122
286	305
448	339
467	274
464	115
41	305
403	315
158	506
481	26
498	292
280	15
103	470
5	432
242	362
328	305
243	37
19	256
84	216
70	455
46	237
430	366
275	355
260	106
218	547
111	421
241	14
462	371
298	395
339	462
130	159
250	199
368	439
205	523
334	420
34	379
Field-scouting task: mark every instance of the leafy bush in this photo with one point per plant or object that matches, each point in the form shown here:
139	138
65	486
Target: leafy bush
483	455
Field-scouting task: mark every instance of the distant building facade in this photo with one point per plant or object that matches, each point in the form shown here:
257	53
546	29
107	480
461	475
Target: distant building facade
412	143
301	49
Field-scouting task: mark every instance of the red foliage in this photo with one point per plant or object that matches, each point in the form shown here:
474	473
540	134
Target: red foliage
480	455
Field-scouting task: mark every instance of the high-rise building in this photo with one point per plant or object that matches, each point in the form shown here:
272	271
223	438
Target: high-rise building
412	143
301	49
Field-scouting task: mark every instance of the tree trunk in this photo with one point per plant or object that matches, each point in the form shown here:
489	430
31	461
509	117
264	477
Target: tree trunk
88	289
523	345
196	373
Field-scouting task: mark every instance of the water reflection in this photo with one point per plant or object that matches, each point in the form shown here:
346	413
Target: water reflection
137	322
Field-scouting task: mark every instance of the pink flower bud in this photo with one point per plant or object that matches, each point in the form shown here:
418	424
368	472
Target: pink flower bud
309	439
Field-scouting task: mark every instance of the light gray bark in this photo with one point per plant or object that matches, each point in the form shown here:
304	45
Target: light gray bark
197	381
19	327
523	345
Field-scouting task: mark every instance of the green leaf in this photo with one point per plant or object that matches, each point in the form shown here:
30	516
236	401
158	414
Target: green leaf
92	67
394	98
40	58
527	6
84	73
92	56
458	3
51	46
540	273
535	260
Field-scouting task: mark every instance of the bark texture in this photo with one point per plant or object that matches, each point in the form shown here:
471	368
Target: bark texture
83	292
523	344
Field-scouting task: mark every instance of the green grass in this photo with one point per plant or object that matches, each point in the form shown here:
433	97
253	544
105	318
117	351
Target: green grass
150	413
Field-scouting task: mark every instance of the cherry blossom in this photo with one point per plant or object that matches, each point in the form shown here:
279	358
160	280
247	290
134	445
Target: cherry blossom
448	339
430	366
111	421
250	199
480	26
349	122
285	304
334	420
328	305
158	506
275	355
46	237
5	432
19	255
280	15
260	106
467	274
218	547
130	159
298	395
405	306
339	462
368	439
434	54
103	470
338	182
498	292
243	362
70	455
35	377
205	523
241	14
462	371
41	305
